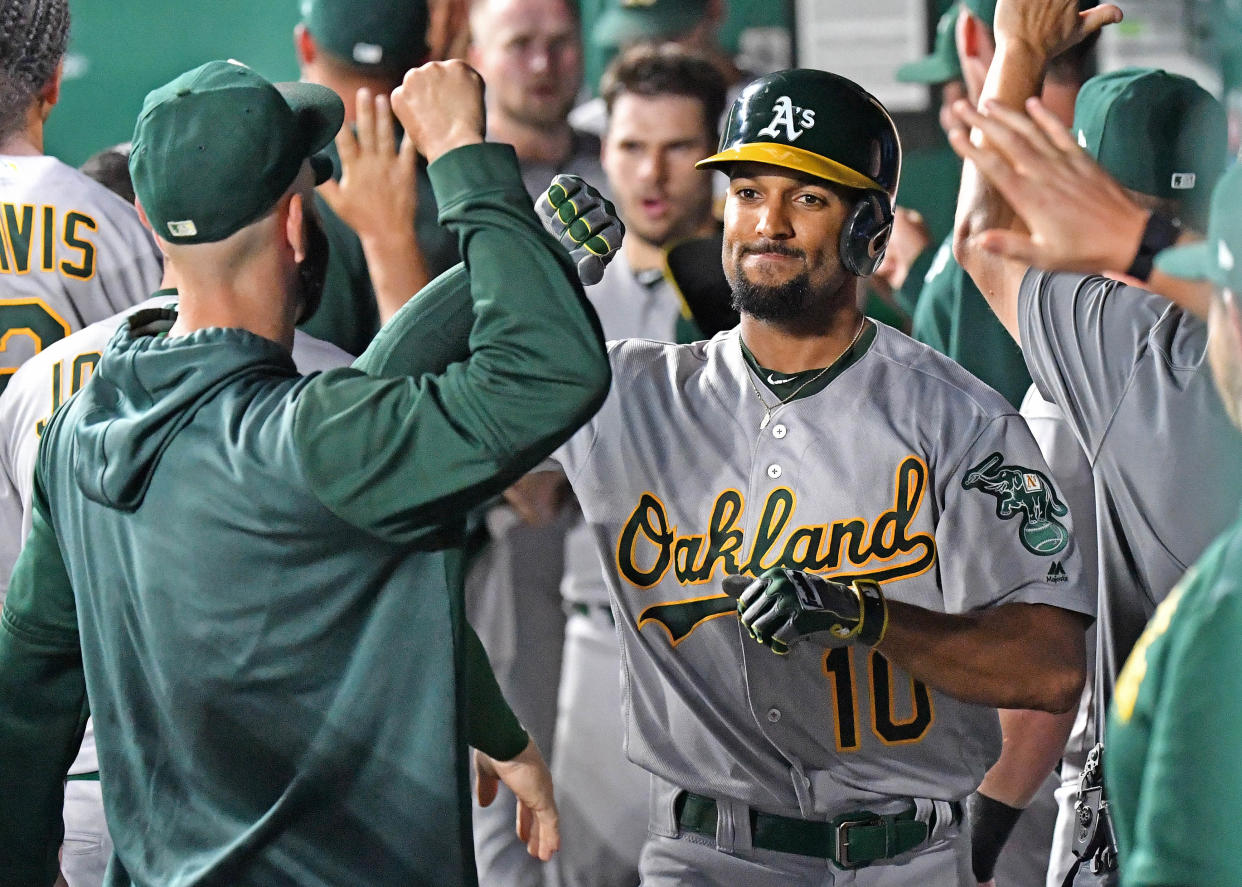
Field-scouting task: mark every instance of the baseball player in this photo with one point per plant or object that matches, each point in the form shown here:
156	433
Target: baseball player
71	252
256	573
1115	358
909	543
1172	766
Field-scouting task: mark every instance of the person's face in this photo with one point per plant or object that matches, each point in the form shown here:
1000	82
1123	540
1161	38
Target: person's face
781	233
1225	351
530	57
649	154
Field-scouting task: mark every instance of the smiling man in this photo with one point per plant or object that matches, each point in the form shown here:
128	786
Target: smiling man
916	563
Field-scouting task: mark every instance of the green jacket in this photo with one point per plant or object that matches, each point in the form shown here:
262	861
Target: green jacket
254	575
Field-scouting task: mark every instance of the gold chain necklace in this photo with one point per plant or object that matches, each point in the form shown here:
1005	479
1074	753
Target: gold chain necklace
768	410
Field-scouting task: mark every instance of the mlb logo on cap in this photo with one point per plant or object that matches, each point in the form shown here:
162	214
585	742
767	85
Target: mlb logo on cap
1183	181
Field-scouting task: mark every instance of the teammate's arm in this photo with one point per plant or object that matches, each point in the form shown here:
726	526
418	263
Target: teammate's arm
43	706
1028	34
1078	217
376	197
536	367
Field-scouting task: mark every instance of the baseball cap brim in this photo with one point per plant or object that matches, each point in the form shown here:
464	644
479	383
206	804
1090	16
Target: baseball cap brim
320	114
792	158
931	69
1191	262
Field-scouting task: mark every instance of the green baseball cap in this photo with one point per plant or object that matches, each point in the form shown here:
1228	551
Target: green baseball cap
381	35
1157	133
942	65
1219	258
986	9
634	21
215	149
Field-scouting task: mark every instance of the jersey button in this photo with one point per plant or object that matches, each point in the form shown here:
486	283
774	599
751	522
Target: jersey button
774	471
774	715
779	431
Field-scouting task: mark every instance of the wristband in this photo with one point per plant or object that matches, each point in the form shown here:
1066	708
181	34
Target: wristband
990	825
872	610
1160	233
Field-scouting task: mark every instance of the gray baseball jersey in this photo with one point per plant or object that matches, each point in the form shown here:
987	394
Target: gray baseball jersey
904	469
71	253
1130	372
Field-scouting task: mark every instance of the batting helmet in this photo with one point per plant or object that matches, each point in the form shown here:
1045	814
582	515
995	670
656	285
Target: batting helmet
829	127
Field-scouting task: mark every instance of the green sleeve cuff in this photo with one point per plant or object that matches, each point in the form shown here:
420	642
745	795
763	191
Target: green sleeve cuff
491	726
465	172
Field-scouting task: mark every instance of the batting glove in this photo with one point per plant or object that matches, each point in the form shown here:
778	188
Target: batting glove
584	222
784	607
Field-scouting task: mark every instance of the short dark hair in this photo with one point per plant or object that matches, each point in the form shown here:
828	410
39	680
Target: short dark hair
110	168
33	37
667	69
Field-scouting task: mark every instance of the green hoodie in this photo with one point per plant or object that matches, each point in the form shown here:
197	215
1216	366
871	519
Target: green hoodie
255	575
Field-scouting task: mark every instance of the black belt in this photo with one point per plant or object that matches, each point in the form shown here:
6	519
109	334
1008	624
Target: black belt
852	840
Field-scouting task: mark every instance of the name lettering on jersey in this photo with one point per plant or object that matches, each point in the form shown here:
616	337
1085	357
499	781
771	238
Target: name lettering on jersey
884	549
30	237
786	114
1023	491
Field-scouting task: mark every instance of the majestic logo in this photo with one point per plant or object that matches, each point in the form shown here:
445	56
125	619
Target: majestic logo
790	117
1029	493
885	549
1056	573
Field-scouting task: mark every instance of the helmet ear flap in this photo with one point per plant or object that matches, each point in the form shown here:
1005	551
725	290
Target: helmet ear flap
864	236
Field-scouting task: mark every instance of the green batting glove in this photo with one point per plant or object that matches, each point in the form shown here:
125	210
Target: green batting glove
584	222
784	607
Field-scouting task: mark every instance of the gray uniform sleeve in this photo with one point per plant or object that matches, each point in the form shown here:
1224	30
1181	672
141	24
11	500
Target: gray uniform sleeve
1005	534
1082	337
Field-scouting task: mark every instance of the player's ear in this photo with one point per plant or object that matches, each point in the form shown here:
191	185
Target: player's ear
49	95
304	45
142	215
295	231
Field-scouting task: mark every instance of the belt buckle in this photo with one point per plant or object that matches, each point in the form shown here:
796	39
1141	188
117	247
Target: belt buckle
841	826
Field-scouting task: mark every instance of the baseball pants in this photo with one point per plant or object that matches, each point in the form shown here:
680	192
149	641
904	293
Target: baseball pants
601	795
87	846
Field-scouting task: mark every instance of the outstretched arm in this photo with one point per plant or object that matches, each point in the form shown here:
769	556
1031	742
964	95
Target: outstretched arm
1078	217
1029	33
376	197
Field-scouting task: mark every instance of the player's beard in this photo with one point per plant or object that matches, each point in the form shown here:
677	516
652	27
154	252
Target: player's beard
312	270
772	303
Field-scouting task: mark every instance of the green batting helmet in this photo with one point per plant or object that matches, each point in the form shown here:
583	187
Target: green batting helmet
828	127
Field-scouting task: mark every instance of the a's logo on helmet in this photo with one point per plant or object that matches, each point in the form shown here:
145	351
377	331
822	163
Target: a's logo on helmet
787	115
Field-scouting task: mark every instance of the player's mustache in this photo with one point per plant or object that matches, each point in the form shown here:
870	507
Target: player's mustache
772	246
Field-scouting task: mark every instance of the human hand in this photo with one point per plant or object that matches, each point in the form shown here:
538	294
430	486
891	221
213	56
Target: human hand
1078	217
909	238
584	222
1050	27
528	778
376	195
440	104
783	607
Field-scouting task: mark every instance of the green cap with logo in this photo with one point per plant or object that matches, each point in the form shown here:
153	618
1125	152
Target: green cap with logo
1219	257
986	9
635	21
942	65
1157	133
379	35
814	122
217	147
